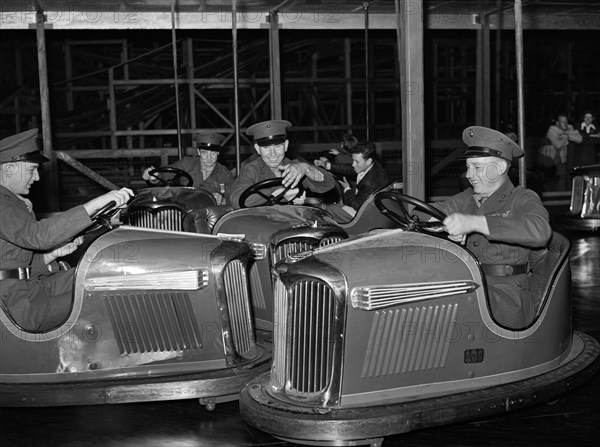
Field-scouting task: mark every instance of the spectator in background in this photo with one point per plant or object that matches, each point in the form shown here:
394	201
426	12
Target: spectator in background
559	136
584	153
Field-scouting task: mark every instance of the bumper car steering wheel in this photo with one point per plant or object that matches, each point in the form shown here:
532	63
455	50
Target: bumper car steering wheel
178	174
258	189
401	215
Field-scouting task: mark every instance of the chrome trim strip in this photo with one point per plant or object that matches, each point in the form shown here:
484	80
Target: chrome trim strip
175	280
378	297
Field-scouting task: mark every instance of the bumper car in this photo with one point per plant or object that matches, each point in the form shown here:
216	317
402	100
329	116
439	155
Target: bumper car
390	331
274	228
155	315
584	210
170	205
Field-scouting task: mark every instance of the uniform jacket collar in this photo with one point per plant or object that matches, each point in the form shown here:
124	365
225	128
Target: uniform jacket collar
494	201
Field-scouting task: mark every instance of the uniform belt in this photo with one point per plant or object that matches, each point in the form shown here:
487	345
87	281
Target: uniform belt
504	269
20	273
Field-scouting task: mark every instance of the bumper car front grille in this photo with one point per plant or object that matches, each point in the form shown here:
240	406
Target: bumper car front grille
162	219
303	343
238	303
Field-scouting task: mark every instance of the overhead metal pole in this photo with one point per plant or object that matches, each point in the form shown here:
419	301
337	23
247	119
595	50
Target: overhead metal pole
367	80
50	171
520	97
236	99
176	80
274	65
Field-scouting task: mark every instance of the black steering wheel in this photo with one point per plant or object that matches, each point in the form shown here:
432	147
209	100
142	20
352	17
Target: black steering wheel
404	218
103	217
178	174
258	188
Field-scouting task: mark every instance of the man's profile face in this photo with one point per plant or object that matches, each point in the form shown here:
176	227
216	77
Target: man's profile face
274	154
359	164
19	176
485	173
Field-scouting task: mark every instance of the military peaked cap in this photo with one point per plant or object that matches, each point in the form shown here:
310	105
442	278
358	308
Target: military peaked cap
485	142
21	147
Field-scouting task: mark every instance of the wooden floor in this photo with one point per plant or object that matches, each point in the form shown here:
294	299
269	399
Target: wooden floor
573	420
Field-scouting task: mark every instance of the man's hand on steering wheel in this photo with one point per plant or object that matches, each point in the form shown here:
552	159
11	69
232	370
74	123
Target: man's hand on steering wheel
103	208
406	219
153	177
460	225
279	196
288	194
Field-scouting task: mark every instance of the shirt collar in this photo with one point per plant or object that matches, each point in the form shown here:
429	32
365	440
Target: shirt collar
587	126
360	176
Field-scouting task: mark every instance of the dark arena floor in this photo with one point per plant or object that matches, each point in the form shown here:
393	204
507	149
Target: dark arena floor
573	419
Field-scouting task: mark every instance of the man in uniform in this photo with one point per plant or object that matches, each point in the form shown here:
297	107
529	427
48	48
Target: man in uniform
205	170
33	291
499	223
271	144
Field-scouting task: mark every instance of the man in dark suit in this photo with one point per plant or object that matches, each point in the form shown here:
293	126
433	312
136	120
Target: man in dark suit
370	177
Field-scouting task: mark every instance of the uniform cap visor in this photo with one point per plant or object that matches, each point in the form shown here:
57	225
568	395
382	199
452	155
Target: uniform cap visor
210	147
269	141
476	151
30	157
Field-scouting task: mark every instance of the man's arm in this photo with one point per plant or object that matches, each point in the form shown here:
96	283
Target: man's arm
18	227
528	225
318	180
574	135
558	139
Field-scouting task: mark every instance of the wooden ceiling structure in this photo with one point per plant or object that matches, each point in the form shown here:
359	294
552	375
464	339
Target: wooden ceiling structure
298	14
409	17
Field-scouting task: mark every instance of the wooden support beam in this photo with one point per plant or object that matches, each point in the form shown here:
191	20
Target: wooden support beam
348	80
310	18
518	9
50	171
410	47
236	89
85	170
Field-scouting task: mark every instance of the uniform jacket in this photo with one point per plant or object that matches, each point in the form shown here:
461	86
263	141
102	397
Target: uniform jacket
23	239
257	170
374	180
517	222
220	174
